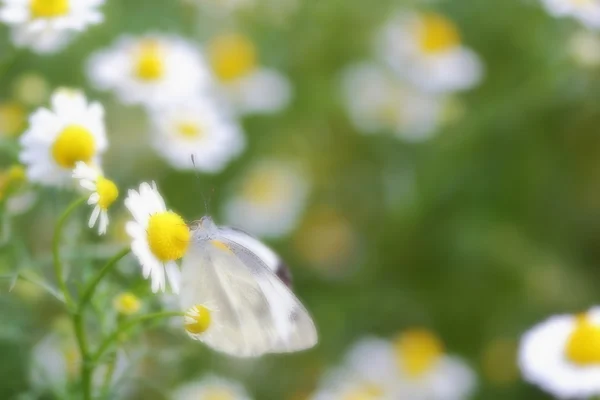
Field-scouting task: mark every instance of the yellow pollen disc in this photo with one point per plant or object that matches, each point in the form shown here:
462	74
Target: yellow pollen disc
232	56
127	303
168	236
108	192
437	33
265	187
417	351
197	320
366	392
74	143
583	346
150	63
189	130
49	8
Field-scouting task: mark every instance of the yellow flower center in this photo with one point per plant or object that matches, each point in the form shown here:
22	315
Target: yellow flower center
150	63
49	8
11	179
108	192
189	130
417	351
168	236
232	56
12	119
583	346
197	320
265	187
74	143
365	392
437	33
127	303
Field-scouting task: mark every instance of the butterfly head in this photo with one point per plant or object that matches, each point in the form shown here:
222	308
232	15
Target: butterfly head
204	229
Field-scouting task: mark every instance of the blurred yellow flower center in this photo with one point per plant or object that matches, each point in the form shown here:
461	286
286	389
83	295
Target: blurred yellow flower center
583	346
168	236
417	351
437	33
264	187
72	360
127	303
190	130
232	56
197	320
217	394
74	143
12	119
108	192
366	392
49	8
150	63
11	178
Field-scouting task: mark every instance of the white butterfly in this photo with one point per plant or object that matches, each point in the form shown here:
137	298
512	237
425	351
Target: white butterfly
252	311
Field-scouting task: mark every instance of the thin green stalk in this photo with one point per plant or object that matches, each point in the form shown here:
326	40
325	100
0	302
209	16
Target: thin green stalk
88	292
58	269
86	363
114	337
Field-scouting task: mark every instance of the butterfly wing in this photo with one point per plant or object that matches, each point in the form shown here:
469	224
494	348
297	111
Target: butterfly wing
252	311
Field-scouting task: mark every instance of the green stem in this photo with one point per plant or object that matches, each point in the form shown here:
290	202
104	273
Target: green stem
114	337
88	292
58	270
110	370
86	363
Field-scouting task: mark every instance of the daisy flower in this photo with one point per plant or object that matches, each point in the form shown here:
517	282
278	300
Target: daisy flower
14	192
346	385
57	138
585	11
159	236
127	303
426	49
151	70
562	355
211	388
196	129
270	200
377	101
412	366
248	87
104	193
47	25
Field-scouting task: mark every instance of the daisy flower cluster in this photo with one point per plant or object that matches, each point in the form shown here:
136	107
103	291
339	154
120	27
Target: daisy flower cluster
587	12
414	365
46	26
193	97
421	61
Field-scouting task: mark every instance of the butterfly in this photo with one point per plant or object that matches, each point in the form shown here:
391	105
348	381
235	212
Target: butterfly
235	277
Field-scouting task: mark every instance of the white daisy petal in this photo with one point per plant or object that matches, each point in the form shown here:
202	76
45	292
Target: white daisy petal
94	217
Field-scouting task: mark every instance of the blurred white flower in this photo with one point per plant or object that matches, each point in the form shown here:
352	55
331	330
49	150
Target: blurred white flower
210	388
426	49
412	366
14	192
377	101
248	87
154	70
562	355
584	47
196	128
270	199
585	11
159	236
104	193
55	361
47	25
343	384
71	131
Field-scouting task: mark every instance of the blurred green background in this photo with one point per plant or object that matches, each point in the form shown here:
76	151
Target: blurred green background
476	234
